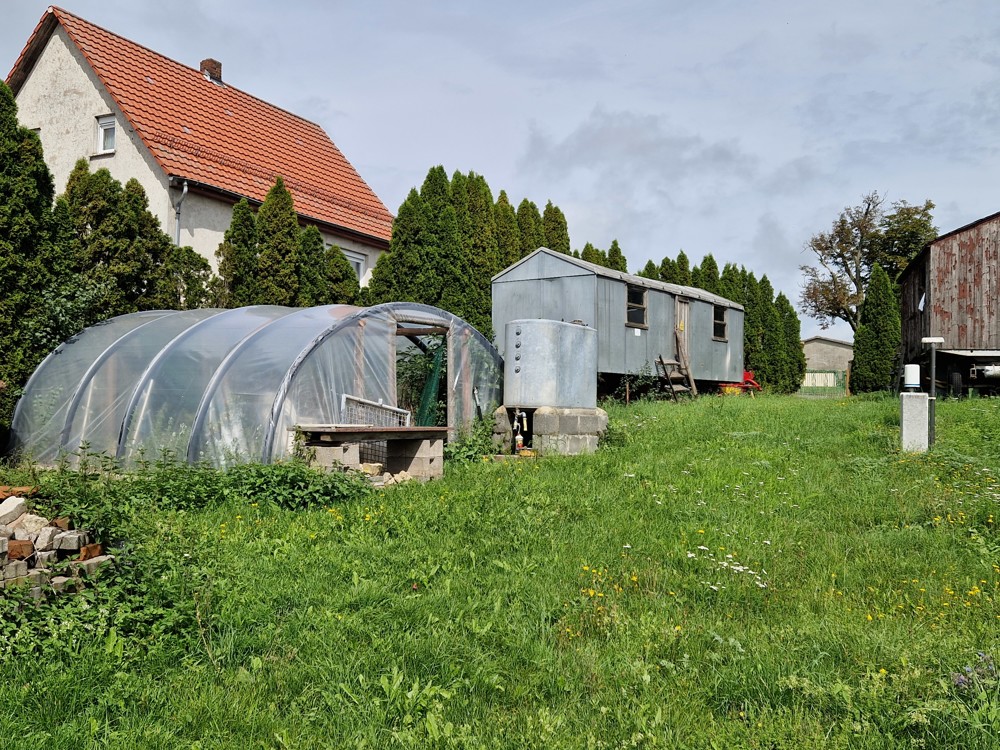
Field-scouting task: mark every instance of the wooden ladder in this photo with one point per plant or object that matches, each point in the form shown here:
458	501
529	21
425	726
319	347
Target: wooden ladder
676	376
677	372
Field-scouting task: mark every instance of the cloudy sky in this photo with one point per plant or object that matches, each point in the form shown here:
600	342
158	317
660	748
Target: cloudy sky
727	127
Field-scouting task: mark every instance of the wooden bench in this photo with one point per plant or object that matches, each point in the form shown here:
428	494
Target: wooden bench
419	451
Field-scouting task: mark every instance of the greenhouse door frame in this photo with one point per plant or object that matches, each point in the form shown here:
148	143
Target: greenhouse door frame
458	389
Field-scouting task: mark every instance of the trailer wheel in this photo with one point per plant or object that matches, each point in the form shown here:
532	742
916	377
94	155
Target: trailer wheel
956	384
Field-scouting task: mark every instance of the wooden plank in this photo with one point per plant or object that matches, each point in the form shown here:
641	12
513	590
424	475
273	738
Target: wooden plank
429	330
332	434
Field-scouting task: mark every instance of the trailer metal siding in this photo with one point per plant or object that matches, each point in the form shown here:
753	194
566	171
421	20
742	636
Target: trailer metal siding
553	286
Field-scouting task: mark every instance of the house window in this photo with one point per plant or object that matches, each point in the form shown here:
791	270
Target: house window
106	134
719	322
635	307
357	262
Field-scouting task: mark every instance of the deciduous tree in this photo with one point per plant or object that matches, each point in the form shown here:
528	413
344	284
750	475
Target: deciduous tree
861	237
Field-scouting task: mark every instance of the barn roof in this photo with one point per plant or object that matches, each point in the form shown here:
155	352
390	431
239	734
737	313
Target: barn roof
627	278
201	129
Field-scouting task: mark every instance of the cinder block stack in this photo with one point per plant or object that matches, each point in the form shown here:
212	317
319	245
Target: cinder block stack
31	545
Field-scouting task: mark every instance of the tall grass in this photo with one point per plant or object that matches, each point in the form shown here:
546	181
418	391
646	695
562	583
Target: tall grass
729	572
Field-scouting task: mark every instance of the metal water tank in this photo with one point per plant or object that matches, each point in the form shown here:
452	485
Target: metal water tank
550	363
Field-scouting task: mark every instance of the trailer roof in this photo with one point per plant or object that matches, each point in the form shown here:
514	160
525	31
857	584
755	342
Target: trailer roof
610	273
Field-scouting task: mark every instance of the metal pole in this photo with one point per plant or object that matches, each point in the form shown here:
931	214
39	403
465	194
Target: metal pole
933	396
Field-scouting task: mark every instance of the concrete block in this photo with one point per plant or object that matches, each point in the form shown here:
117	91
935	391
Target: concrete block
30	523
594	423
70	540
15	569
46	538
914	410
6	532
423	468
335	456
39	576
545	421
44	559
501	421
12	508
61	583
89	566
3	550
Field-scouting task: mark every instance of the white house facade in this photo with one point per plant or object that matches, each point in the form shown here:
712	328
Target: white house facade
94	95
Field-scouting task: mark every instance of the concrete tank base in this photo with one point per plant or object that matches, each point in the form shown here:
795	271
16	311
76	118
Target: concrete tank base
553	431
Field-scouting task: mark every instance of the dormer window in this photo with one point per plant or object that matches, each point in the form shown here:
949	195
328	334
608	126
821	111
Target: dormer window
106	134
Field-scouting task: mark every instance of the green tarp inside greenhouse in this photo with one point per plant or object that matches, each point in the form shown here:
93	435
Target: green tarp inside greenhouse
228	386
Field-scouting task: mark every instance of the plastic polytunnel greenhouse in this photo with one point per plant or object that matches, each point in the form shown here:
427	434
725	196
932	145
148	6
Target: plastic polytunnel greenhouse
228	386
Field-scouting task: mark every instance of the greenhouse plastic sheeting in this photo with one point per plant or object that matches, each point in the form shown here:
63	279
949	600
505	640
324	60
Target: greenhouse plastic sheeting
228	386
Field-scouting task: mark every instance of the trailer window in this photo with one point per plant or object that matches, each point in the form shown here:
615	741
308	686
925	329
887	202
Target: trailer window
719	322
635	307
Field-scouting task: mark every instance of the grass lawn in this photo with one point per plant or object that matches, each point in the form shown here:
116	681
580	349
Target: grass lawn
723	573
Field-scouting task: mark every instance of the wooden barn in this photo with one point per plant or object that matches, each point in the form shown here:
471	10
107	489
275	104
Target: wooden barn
952	290
636	318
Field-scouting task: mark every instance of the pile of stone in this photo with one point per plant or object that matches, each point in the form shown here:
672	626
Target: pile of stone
381	478
31	546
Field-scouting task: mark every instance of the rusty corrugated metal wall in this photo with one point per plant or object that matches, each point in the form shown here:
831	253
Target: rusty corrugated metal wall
952	290
964	280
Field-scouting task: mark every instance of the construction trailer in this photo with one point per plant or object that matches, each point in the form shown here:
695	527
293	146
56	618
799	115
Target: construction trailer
638	320
951	290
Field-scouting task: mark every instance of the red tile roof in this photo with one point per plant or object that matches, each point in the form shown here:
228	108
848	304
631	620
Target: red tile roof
214	134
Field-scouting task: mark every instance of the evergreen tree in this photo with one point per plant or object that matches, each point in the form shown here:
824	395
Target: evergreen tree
482	254
555	230
696	277
878	336
25	216
278	242
118	243
795	357
529	221
709	274
313	288
754	357
592	255
397	273
616	259
459	190
339	277
508	233
772	360
668	270
237	258
650	271
444	261
182	282
731	284
683	270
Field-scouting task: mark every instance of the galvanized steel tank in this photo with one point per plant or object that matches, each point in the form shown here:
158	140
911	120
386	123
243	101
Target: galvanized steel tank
550	363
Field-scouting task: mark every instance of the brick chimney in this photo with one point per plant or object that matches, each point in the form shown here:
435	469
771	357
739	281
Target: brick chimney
212	69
